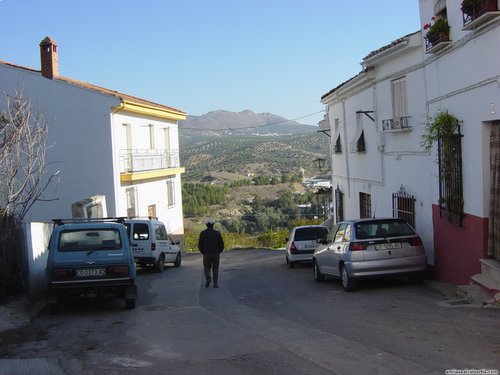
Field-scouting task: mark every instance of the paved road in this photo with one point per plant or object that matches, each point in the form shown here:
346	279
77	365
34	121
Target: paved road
264	319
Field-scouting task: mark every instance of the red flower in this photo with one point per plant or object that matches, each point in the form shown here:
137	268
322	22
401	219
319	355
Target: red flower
426	26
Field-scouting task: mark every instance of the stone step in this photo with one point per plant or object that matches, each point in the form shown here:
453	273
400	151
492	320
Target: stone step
490	286
491	269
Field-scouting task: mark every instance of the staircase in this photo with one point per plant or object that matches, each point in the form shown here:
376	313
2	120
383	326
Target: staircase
489	278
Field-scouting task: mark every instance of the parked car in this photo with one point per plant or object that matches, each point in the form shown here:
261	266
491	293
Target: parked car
302	242
368	248
151	243
90	258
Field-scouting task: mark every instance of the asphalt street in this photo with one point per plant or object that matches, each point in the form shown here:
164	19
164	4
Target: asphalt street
264	319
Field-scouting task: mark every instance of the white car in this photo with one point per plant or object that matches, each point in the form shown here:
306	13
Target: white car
302	242
151	245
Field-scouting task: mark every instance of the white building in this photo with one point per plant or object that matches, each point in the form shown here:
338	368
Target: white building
103	143
377	120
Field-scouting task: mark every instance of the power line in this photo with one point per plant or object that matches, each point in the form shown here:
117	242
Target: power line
256	126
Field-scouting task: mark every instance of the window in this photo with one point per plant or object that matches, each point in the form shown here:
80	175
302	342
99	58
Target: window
360	144
152	210
403	206
399	101
166	133
141	231
131	196
451	200
339	205
170	192
151	137
341	234
365	205
338	146
160	232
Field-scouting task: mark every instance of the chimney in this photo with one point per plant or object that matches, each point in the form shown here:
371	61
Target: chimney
48	57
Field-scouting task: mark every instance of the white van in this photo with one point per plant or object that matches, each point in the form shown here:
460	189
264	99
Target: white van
151	245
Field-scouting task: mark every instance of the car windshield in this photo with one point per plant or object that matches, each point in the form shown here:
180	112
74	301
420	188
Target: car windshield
89	239
310	234
382	228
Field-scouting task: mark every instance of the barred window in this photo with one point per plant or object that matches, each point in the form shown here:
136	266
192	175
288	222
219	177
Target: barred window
365	205
403	206
170	192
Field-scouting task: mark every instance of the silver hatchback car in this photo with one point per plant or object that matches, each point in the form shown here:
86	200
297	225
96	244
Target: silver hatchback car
368	248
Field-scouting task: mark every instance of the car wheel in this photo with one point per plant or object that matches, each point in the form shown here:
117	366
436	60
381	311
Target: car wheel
160	263
318	276
291	264
178	259
347	283
287	260
130	303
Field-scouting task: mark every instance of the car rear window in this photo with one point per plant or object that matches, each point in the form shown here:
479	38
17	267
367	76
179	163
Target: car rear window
89	239
312	233
382	228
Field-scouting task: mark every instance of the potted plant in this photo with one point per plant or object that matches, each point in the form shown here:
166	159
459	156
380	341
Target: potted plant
437	31
469	6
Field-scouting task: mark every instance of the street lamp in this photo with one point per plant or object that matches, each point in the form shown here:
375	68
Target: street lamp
320	163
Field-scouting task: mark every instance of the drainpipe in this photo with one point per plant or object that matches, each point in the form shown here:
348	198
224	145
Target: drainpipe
348	173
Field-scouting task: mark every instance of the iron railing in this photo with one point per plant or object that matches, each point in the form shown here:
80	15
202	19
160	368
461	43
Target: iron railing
477	10
403	206
148	160
401	123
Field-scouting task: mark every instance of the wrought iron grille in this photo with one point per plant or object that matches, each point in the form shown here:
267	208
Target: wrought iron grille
339	205
401	123
365	205
451	200
403	206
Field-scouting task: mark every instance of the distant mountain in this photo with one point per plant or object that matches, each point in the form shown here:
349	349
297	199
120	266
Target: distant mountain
241	123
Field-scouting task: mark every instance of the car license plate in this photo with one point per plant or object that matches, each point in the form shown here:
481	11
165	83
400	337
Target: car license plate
91	272
388	246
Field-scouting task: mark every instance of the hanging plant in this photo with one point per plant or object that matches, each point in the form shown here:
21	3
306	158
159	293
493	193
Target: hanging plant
441	126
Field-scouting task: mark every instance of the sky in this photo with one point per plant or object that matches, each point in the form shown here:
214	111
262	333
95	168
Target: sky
277	56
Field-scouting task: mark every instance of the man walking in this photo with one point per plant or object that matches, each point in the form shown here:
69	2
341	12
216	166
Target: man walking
211	244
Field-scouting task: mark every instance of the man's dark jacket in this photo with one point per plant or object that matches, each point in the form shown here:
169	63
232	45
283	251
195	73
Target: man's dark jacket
210	241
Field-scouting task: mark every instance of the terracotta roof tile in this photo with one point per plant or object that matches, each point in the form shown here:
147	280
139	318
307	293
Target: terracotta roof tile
101	90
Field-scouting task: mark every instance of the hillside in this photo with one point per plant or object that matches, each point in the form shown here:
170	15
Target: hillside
224	146
241	123
227	158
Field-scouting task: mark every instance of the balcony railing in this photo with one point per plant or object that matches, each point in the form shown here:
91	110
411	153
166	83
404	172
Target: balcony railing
437	41
148	160
398	124
479	13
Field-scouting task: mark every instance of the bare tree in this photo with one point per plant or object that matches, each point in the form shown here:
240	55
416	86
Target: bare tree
23	135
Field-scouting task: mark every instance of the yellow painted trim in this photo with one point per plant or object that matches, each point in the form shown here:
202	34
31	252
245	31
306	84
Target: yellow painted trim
149	175
145	109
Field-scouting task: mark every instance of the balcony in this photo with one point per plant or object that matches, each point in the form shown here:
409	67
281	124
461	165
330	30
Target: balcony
148	164
478	13
436	42
396	125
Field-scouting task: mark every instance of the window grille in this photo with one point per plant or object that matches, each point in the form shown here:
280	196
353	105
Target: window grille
403	206
365	205
451	199
131	194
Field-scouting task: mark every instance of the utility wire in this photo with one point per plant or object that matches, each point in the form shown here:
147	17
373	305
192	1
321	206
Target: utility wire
253	127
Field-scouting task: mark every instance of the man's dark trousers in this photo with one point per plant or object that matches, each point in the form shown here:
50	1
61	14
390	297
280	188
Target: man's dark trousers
211	261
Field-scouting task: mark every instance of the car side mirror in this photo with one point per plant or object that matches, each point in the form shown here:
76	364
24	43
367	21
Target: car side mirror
322	241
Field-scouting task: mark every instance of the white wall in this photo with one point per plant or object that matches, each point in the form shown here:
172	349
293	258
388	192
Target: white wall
37	236
78	141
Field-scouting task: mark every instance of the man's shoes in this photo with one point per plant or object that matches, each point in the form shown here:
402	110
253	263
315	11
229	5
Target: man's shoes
207	284
216	286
